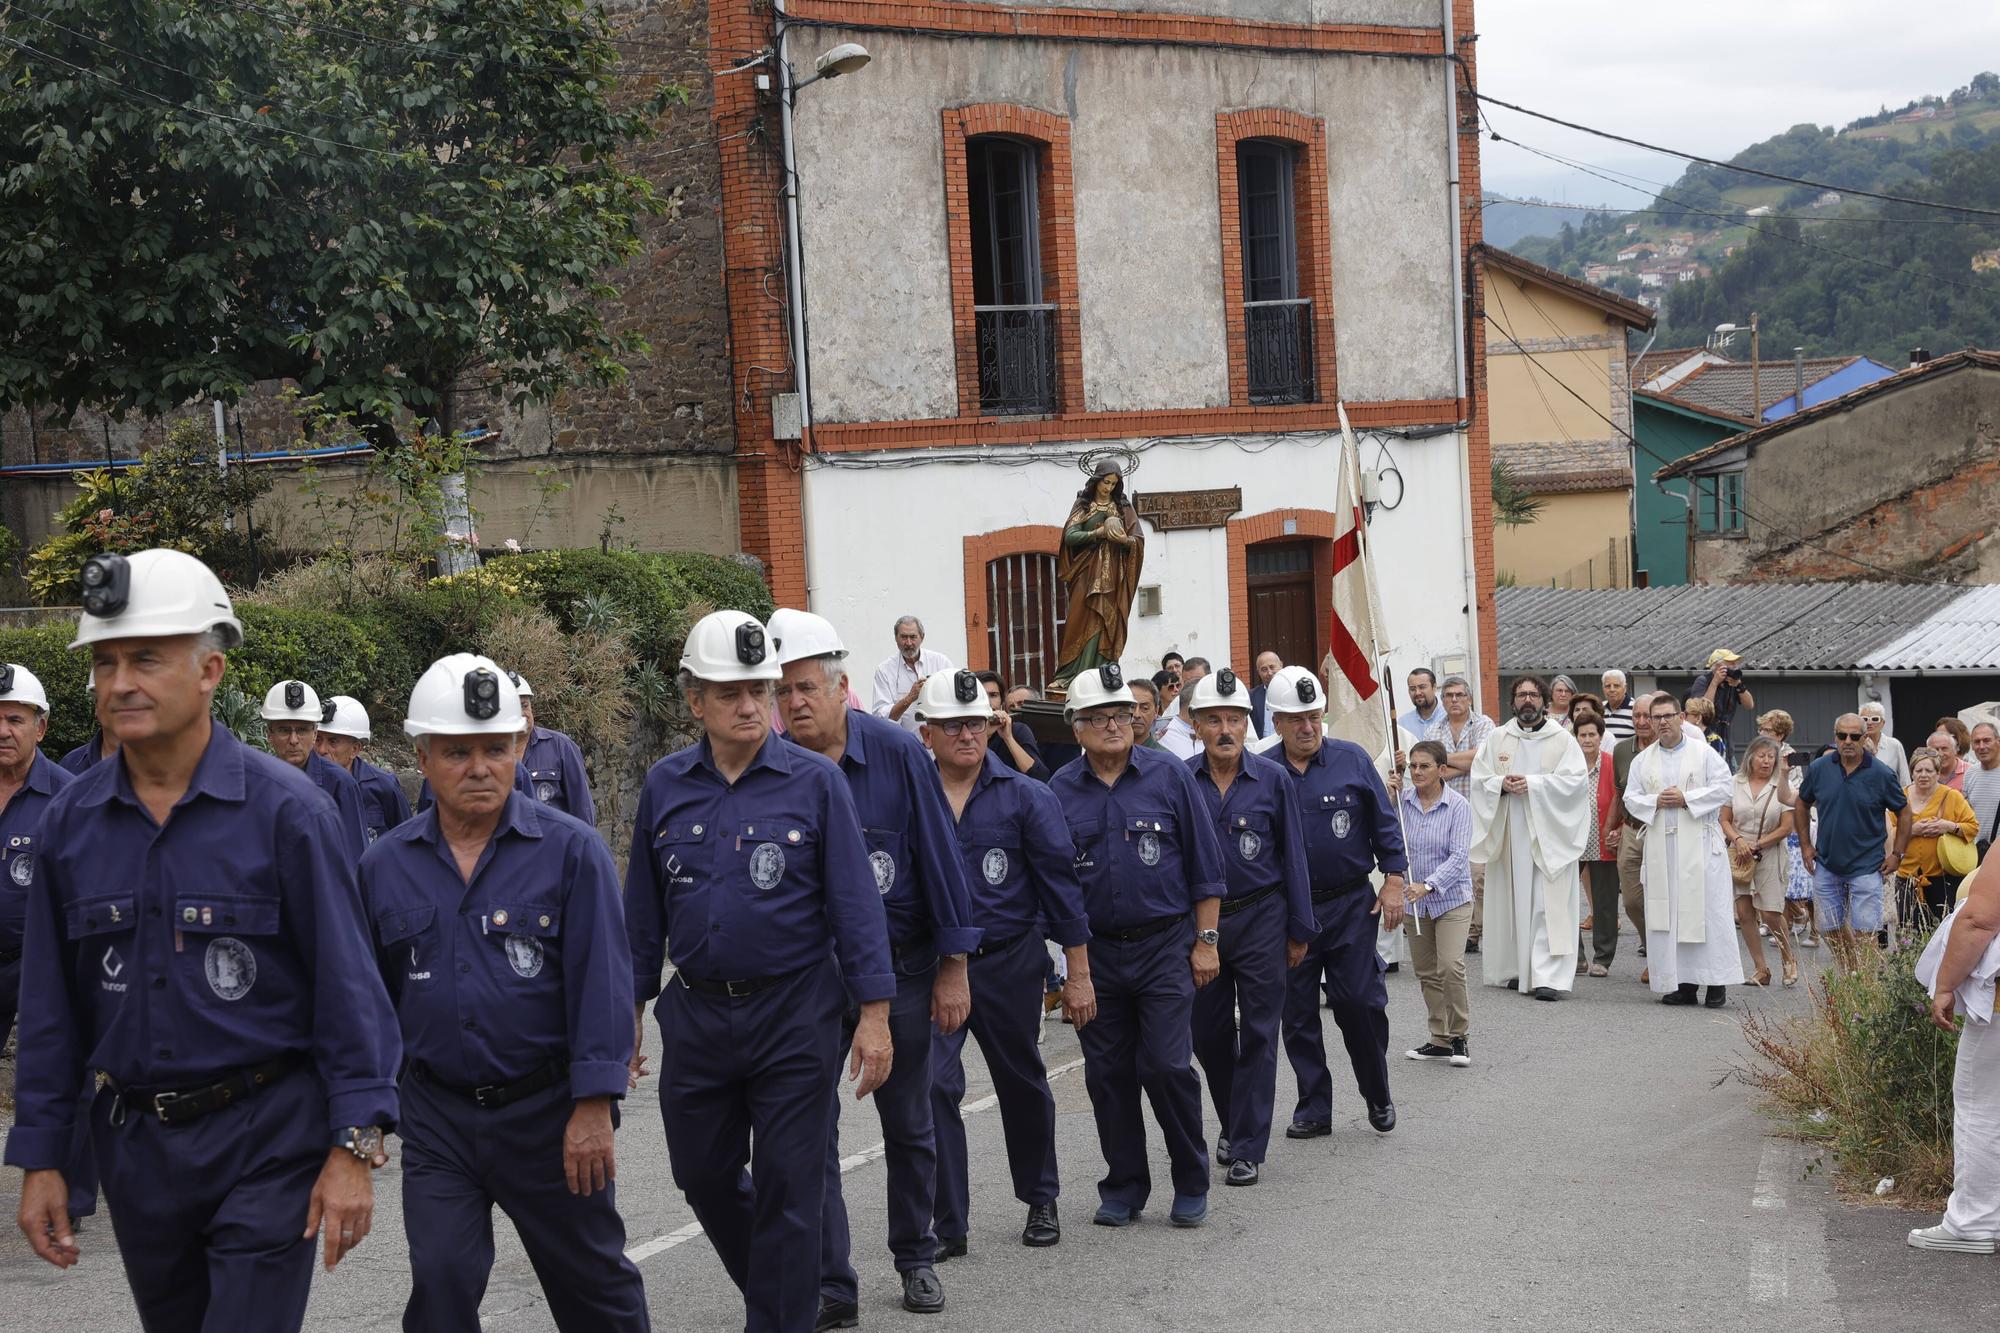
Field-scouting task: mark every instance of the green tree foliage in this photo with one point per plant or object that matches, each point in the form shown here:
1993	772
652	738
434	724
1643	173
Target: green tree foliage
175	496
383	203
1513	507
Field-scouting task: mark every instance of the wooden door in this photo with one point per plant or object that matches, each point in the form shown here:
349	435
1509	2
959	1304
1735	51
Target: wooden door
1283	604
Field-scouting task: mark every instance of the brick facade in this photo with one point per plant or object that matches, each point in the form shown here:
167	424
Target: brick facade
1479	431
1312	230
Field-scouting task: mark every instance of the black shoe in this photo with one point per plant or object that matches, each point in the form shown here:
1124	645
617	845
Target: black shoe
1461	1052
1514	984
922	1292
1042	1230
950	1247
1472	946
1242	1173
1642	948
1222	1157
1430	1050
836	1314
1308	1129
1717	997
1393	967
1683	995
1383	1117
1546	993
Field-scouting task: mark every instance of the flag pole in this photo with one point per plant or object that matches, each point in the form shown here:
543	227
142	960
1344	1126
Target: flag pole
1350	473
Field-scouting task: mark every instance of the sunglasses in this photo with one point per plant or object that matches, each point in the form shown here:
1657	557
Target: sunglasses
1849	735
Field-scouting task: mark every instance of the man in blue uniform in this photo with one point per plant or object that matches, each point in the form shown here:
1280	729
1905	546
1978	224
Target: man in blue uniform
500	935
1351	830
914	857
96	750
195	939
748	859
554	762
1020	865
343	732
291	716
1266	924
29	780
1148	861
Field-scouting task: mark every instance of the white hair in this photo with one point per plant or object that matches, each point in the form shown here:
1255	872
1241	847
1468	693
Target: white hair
1873	707
909	620
206	642
1614	671
835	670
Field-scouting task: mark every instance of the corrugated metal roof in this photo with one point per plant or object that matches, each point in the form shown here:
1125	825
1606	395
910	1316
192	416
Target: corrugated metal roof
1776	626
1963	636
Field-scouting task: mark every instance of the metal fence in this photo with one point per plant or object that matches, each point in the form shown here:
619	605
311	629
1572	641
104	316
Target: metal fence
1279	350
1017	359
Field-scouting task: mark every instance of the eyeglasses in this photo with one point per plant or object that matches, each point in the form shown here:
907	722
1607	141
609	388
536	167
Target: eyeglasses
959	726
1849	735
1105	721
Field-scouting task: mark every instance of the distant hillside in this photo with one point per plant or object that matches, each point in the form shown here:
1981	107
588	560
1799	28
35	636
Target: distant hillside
1509	220
1825	270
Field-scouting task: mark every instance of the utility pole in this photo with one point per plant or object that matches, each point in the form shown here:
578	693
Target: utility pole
1756	396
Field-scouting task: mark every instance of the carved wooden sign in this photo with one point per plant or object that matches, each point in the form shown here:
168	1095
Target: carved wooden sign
1167	510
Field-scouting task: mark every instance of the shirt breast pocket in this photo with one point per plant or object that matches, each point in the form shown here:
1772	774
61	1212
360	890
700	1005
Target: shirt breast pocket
887	857
546	784
991	855
1249	837
1339	814
679	852
1088	837
527	936
1152	839
224	941
776	850
103	914
405	942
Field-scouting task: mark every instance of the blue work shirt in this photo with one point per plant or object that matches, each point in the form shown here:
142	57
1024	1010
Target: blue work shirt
1145	847
173	956
1019	861
756	878
425	801
556	776
524	965
1261	831
80	759
911	848
1853	834
383	805
20	829
1350	825
345	792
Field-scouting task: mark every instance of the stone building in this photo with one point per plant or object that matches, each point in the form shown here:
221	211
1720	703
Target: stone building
1894	478
1179	229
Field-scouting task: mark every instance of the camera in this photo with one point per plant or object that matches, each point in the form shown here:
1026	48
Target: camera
750	643
482	694
106	584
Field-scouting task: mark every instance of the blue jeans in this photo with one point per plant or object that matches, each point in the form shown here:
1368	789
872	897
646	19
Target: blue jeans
1852	900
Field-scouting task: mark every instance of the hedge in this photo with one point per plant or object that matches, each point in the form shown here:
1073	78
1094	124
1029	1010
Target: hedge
376	650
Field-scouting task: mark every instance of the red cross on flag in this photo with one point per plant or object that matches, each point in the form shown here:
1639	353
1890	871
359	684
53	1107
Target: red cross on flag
1356	706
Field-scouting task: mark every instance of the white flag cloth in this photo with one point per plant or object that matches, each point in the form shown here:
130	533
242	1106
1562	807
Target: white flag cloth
1356	708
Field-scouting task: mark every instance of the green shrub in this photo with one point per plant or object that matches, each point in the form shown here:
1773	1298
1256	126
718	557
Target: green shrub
327	651
1865	1074
64	672
716	580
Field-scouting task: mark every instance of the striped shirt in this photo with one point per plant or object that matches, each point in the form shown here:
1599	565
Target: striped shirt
1618	723
1439	842
1477	728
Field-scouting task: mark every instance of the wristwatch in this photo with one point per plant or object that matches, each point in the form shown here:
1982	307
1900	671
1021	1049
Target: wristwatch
365	1142
1208	937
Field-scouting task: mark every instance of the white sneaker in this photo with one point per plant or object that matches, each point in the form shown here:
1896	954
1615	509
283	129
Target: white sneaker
1941	1237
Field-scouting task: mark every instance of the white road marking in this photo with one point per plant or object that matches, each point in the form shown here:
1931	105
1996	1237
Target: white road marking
638	1254
1770	1278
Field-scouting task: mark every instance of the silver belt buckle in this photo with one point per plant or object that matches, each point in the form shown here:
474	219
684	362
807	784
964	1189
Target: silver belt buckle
730	988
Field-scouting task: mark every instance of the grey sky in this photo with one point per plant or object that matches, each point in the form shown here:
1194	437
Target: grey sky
1708	76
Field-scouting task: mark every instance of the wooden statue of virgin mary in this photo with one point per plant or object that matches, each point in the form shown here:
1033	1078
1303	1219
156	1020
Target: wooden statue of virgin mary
1102	553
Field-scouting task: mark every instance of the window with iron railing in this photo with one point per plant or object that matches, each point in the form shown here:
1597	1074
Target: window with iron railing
1015	329
1277	320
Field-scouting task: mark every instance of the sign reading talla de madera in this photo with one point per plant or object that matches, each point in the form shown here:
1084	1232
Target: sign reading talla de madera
1167	510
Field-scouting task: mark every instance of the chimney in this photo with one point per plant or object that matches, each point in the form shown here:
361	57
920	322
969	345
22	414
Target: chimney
1919	355
1798	379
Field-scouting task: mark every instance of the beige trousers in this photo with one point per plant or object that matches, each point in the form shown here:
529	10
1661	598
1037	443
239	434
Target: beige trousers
1631	852
1438	954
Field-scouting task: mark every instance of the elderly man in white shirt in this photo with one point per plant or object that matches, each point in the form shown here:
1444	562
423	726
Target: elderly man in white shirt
902	675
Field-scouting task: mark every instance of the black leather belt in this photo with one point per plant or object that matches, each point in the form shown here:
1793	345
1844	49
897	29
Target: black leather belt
1231	906
997	946
737	989
493	1096
1328	895
177	1106
1145	930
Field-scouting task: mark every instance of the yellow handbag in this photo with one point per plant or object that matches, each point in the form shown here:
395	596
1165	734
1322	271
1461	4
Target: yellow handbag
1956	854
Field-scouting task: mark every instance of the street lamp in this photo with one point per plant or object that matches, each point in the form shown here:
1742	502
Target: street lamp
1724	335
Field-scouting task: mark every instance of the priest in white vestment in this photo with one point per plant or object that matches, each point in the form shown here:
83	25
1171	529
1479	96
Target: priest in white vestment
1531	810
1677	788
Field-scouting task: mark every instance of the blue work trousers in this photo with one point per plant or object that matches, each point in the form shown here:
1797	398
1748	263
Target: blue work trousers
1007	989
210	1215
459	1160
1142	1039
744	1081
1236	1019
903	1104
1345	949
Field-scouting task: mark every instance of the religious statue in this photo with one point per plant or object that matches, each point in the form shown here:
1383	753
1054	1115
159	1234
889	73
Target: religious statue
1102	551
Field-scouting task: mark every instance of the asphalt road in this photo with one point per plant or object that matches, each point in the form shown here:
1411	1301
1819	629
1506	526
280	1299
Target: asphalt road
1597	1166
